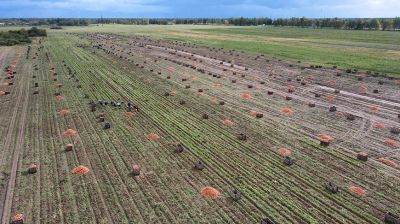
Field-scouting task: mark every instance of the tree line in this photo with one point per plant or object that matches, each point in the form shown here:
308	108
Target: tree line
336	23
13	37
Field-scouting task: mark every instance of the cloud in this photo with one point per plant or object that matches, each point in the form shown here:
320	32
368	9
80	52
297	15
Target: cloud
125	6
318	8
196	8
100	5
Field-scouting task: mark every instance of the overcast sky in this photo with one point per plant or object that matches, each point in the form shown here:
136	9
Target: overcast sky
203	8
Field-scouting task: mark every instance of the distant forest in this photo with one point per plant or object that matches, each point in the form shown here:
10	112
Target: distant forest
22	36
336	23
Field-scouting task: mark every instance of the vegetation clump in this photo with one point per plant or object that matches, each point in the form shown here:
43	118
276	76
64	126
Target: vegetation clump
14	37
56	27
235	195
331	187
391	218
288	161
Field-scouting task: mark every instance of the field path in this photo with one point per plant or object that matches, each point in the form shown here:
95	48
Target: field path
9	194
361	97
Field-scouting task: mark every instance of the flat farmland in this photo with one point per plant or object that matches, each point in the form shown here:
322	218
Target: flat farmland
203	128
364	50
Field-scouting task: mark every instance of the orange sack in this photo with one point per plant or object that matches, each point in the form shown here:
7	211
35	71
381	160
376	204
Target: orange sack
358	191
210	192
286	110
325	138
284	152
80	170
388	162
152	136
70	132
227	122
63	112
245	95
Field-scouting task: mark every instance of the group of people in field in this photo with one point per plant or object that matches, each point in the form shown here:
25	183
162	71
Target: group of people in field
116	104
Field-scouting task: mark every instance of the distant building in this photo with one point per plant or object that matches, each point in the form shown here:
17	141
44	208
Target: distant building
2	24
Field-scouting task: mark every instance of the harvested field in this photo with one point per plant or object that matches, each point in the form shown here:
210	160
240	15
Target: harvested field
132	173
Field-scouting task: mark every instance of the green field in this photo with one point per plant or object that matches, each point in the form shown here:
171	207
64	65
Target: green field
364	50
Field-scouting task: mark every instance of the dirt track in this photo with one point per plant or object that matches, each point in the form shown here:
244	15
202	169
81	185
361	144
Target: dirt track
22	99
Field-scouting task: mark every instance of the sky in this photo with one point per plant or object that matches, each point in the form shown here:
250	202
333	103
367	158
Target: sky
198	9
